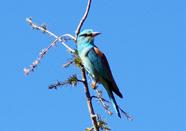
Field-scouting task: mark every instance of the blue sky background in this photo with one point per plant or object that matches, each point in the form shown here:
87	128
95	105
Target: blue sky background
144	42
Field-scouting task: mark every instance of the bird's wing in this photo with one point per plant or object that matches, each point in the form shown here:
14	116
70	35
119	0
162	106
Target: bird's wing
101	65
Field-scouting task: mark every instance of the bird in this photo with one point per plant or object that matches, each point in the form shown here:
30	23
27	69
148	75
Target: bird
96	65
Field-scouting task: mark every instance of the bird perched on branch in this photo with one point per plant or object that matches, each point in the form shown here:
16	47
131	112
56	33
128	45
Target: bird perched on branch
96	64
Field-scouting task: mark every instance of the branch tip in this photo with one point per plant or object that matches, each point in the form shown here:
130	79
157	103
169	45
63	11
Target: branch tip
83	18
26	71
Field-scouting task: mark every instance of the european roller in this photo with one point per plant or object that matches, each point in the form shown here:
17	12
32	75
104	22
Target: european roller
96	64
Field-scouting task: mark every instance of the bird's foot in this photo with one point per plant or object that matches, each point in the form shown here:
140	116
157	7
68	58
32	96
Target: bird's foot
94	85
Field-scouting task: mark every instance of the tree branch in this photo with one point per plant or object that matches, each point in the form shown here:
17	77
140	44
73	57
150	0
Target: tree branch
102	101
106	107
38	60
83	18
89	101
45	30
63	39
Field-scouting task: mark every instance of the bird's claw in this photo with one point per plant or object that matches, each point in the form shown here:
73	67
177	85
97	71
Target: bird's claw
94	85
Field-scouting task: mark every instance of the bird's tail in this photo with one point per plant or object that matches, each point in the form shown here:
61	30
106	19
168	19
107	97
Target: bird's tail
116	108
109	86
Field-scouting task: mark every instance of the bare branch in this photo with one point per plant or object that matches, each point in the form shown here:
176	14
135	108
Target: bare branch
72	81
42	28
106	107
83	19
129	117
57	84
38	60
61	39
102	101
70	36
45	30
68	63
89	101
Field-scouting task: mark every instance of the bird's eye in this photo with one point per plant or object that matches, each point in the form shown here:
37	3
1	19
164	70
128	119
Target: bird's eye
86	35
82	34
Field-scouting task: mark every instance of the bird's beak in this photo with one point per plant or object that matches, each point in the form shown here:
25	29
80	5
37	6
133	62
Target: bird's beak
95	34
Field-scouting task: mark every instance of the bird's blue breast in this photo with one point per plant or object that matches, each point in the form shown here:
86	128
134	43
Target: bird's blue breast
83	49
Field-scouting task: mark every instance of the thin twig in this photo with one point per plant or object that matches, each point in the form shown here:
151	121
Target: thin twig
68	63
70	37
83	18
129	117
101	98
61	39
56	85
106	107
35	26
72	81
102	101
38	60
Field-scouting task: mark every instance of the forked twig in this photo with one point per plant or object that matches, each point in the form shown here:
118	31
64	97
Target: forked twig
45	30
61	39
129	117
102	101
106	107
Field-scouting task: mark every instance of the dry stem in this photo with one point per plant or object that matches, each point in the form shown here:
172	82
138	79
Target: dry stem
83	18
45	30
102	101
61	39
89	101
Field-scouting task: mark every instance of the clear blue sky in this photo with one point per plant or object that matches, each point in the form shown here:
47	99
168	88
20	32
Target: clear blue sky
143	41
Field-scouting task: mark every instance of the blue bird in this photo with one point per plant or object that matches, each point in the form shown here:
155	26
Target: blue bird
96	64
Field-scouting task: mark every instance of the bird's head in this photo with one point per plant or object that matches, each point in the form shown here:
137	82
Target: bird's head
86	36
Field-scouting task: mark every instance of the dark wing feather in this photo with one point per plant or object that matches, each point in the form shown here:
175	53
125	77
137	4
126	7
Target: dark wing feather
101	65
